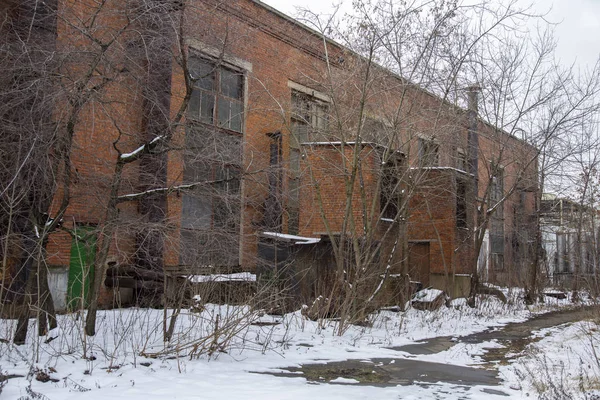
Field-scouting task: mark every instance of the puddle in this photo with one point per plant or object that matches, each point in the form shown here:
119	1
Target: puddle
429	346
393	372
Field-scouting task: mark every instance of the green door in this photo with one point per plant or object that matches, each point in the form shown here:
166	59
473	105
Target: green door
81	266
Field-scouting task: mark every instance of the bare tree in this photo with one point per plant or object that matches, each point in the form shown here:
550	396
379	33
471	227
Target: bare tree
523	102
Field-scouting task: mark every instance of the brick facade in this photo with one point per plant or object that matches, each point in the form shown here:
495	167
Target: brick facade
278	56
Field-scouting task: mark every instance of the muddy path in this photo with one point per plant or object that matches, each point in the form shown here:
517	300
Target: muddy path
514	338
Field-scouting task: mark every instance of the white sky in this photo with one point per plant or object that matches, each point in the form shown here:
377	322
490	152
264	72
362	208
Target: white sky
578	32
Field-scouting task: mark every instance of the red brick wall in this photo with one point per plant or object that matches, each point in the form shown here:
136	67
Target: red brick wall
432	217
325	184
278	51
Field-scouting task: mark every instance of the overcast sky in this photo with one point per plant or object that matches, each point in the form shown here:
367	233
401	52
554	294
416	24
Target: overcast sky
578	32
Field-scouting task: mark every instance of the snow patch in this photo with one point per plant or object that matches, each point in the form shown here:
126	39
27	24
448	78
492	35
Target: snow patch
344	380
237	277
427	295
291	238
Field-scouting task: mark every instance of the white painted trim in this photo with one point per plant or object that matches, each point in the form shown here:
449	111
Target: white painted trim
311	92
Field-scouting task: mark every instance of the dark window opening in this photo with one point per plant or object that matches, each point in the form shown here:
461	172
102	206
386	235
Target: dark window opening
391	190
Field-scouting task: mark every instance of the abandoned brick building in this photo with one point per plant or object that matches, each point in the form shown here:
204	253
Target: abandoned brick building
281	142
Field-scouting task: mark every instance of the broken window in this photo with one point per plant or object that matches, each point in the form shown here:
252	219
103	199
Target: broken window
217	96
428	153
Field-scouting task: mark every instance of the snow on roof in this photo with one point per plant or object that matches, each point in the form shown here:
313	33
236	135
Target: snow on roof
291	238
126	156
237	277
332	143
427	295
339	143
439	169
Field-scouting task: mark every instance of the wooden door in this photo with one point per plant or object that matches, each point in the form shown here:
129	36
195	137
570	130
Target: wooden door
418	262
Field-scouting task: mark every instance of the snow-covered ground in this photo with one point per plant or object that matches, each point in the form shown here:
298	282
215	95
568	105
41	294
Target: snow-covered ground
565	364
127	358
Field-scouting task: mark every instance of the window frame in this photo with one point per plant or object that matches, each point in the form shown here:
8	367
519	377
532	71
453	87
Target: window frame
217	94
314	116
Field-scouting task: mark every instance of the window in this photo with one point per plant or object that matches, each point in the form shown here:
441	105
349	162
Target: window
428	153
308	123
391	191
309	118
461	160
211	211
461	203
496	193
217	96
272	218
